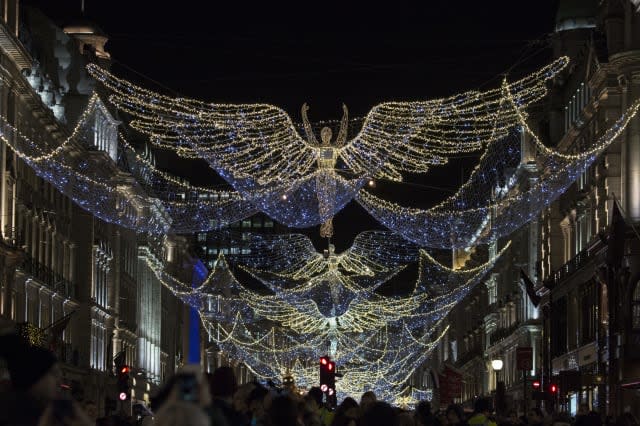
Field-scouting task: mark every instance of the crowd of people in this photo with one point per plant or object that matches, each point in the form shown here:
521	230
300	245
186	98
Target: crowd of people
192	398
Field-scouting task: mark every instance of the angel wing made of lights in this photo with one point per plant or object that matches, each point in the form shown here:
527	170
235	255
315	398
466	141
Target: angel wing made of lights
259	142
294	257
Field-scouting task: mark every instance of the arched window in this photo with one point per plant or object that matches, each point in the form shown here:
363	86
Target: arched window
635	307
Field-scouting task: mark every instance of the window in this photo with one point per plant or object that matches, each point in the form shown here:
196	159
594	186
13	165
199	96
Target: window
268	223
105	137
589	314
559	319
202	237
573	110
635	307
246	223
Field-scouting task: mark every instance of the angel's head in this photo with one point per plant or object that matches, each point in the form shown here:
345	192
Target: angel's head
325	135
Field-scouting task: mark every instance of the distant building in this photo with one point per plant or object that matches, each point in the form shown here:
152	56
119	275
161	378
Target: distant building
231	242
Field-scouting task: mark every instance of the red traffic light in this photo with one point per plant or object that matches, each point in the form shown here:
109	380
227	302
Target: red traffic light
536	384
125	370
324	360
553	389
331	366
122	396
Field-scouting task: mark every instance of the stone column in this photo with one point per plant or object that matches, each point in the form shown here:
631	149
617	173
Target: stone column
72	263
35	229
54	252
4	207
632	184
114	281
65	259
41	242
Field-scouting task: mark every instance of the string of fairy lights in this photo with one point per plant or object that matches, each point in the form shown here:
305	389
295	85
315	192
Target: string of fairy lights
378	340
311	303
300	182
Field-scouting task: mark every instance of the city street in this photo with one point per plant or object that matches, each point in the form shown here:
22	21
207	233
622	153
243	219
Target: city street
260	215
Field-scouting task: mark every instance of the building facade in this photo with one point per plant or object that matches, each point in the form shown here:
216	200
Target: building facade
83	286
588	265
581	317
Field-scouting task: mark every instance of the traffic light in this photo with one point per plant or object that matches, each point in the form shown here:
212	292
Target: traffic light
553	389
328	377
327	368
124	389
537	394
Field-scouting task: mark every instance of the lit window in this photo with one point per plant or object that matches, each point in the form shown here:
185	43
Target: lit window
268	223
202	237
246	223
635	308
235	250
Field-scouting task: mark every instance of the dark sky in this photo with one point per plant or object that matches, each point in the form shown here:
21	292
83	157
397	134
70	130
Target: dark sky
324	54
316	52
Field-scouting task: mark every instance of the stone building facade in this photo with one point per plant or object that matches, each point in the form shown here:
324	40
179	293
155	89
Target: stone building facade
60	260
584	325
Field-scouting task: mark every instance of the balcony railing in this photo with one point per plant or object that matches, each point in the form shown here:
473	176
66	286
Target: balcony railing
503	333
574	264
51	279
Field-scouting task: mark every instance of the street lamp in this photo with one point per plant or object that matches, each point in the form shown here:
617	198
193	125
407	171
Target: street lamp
497	365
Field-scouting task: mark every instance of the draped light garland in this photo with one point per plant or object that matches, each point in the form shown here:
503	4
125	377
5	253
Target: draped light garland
493	204
101	190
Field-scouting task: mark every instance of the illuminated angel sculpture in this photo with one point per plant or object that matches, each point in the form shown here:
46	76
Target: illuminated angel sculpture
378	341
300	182
303	182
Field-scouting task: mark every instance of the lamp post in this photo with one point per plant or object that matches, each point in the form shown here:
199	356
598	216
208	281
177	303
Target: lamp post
497	365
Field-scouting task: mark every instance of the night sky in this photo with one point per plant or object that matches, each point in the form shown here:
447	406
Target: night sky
323	54
312	52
